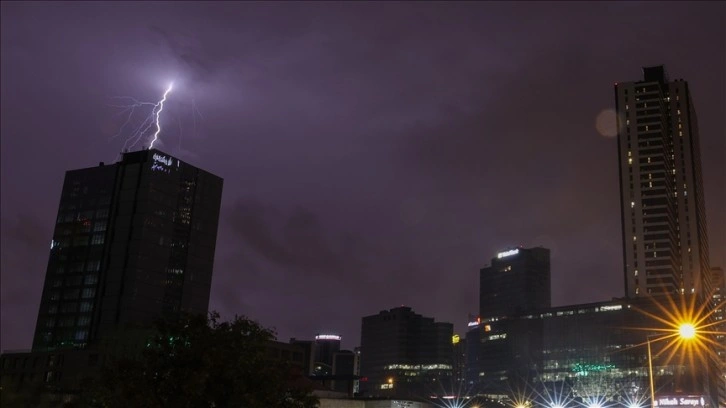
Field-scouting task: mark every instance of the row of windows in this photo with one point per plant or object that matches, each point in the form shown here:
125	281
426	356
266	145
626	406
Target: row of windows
77	267
72	294
71	307
76	280
83	240
73	216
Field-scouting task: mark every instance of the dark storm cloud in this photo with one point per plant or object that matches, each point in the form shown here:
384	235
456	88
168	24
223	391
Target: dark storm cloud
300	242
187	52
374	153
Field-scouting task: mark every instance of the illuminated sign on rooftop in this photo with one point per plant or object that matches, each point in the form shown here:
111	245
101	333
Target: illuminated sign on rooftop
328	337
505	254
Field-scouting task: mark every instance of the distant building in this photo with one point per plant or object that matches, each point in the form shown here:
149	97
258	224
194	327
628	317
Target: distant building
326	345
665	241
405	354
459	359
308	347
517	280
344	364
589	353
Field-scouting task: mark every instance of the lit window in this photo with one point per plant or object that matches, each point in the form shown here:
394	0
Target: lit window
99	226
630	160
81	335
84	321
88	293
635	273
97	239
90	280
632	204
86	307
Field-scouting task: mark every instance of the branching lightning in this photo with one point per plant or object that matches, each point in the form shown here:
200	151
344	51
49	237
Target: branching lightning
151	120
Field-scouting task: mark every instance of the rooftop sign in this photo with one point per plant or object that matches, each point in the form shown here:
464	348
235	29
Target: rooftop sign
510	252
328	337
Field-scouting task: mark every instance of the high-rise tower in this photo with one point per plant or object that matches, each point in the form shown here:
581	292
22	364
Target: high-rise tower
517	280
133	242
665	243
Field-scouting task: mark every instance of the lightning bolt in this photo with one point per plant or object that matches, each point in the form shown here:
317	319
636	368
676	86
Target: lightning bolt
152	119
161	107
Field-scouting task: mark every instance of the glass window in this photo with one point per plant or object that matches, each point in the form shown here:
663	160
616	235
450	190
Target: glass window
102	213
97	239
93	266
86	307
84	321
81	335
99	226
89	293
90	279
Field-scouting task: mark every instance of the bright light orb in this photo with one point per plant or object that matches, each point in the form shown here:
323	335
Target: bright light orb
687	331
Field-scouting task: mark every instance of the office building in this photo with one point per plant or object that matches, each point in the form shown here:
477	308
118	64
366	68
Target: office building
133	242
588	354
326	345
665	242
517	280
405	354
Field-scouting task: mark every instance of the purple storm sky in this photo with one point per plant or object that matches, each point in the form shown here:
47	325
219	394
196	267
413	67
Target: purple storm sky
374	154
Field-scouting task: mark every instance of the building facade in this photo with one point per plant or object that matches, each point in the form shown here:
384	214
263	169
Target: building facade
592	354
517	280
326	345
665	242
405	354
133	242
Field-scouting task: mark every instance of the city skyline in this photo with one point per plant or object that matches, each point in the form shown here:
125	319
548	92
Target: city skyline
343	175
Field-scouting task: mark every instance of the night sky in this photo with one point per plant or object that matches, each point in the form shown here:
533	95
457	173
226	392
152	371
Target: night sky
374	154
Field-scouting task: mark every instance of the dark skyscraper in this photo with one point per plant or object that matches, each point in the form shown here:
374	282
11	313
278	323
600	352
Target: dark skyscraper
133	242
516	281
665	243
326	345
405	354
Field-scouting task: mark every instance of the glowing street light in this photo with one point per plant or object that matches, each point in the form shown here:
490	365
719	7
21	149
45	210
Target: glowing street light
686	331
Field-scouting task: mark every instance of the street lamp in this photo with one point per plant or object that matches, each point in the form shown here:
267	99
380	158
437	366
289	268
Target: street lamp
686	331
